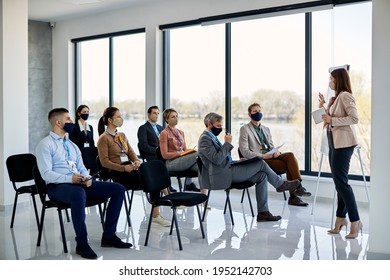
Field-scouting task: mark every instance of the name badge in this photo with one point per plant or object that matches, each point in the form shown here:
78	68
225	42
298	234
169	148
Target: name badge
124	157
86	145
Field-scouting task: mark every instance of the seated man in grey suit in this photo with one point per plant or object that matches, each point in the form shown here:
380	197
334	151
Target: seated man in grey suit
148	134
218	172
256	140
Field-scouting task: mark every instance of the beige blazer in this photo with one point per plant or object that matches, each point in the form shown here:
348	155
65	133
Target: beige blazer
344	117
249	143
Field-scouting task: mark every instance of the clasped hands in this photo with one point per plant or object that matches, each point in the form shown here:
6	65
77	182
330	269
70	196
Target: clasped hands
131	167
80	179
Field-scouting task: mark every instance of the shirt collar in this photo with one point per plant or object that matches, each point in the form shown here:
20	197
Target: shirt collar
82	127
55	136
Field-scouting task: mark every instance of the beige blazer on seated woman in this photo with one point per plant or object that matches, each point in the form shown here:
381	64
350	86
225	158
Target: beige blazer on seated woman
344	116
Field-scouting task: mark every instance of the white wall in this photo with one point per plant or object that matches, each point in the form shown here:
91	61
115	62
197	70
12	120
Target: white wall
380	153
13	88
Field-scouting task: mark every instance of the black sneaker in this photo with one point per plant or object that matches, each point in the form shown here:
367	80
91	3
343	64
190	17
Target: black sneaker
115	242
86	252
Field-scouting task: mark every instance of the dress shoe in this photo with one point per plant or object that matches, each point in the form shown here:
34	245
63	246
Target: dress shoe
355	228
115	242
340	222
172	190
192	188
296	201
86	252
267	217
301	191
288	185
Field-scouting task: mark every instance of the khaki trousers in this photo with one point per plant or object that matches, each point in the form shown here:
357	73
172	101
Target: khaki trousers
285	163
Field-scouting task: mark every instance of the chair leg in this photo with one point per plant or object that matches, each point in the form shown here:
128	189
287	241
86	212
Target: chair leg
180	184
200	221
250	202
67	215
35	209
127	209
205	206
14	209
149	226
243	195
101	213
40	229
62	231
230	206
284	195
177	228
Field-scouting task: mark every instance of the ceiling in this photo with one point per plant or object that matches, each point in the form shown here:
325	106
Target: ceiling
57	10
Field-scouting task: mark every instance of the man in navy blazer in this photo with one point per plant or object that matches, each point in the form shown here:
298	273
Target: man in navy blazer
148	134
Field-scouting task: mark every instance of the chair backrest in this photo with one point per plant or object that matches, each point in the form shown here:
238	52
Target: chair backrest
159	155
89	155
141	153
40	183
239	153
103	175
154	176
20	167
200	164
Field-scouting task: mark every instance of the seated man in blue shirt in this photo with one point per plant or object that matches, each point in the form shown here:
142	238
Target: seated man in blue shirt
60	164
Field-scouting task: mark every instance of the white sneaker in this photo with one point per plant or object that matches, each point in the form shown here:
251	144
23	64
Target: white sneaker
161	221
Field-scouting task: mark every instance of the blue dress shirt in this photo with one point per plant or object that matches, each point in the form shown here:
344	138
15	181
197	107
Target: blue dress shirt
58	159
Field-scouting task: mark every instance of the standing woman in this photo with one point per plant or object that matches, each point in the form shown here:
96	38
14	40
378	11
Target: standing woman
82	134
339	120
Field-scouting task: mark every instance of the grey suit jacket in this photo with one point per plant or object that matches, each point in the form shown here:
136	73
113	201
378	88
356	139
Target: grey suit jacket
249	142
216	173
344	116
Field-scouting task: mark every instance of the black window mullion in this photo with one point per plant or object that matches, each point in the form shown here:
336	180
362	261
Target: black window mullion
308	90
228	76
111	72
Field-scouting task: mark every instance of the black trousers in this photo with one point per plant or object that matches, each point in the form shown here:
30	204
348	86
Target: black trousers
339	160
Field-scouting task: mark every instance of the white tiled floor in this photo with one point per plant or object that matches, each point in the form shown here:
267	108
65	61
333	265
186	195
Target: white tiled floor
299	235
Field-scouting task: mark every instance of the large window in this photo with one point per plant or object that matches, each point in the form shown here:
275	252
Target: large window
197	84
111	72
268	67
281	62
343	36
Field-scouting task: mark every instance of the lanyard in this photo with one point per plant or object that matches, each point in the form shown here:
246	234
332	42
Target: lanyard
177	136
66	147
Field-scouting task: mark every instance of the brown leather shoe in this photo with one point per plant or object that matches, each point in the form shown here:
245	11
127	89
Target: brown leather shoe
301	191
296	201
267	217
288	185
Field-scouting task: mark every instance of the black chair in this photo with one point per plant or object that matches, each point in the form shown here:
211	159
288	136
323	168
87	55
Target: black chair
278	173
238	186
20	172
141	153
105	176
154	178
48	203
178	174
89	155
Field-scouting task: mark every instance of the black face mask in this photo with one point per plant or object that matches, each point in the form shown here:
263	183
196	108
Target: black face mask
257	116
68	127
216	131
84	116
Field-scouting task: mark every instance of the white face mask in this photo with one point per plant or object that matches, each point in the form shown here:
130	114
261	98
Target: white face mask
118	122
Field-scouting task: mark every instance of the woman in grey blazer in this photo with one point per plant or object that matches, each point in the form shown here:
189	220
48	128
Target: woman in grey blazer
339	120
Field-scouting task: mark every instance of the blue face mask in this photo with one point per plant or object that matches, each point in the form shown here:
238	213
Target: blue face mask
84	116
216	131
257	116
68	127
